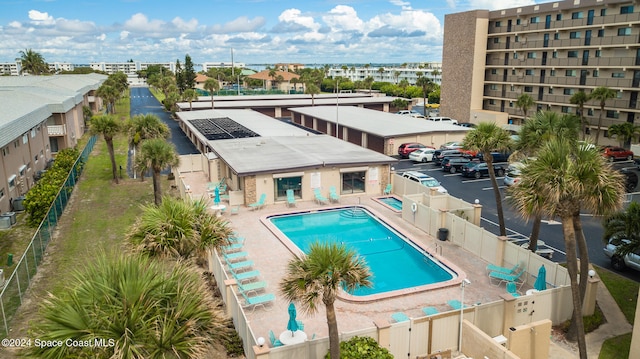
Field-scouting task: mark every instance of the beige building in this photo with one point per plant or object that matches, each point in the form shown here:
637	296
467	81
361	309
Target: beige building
549	51
281	80
40	116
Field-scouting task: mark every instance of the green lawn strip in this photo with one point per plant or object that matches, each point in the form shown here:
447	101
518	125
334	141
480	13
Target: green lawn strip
616	347
623	290
157	94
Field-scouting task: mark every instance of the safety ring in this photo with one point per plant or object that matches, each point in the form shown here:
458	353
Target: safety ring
414	207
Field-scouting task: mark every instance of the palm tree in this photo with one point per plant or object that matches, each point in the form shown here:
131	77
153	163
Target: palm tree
144	127
580	98
486	138
108	94
368	81
190	95
562	179
135	307
32	62
601	94
525	102
624	132
108	127
211	85
381	72
426	84
327	268
156	154
396	75
624	225
312	89
178	229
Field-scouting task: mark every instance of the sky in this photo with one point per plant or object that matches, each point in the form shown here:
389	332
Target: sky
258	31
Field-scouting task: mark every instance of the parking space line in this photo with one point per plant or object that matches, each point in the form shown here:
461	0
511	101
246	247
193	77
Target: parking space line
522	235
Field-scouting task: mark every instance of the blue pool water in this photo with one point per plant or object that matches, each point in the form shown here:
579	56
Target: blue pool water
394	262
391	202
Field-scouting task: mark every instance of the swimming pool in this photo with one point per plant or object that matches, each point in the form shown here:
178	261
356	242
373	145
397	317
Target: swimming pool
394	203
398	265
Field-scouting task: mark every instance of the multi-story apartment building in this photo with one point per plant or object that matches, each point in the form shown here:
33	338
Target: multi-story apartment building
393	74
60	66
40	116
549	51
9	68
129	68
224	65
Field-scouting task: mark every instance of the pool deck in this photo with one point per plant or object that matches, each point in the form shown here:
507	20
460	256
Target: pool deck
270	257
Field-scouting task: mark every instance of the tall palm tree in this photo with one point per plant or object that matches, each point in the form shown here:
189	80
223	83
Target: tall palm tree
156	154
108	127
624	225
562	179
525	102
486	138
327	268
426	84
368	81
178	229
109	95
580	98
624	132
135	307
313	90
32	62
396	75
601	95
144	127
190	95
211	85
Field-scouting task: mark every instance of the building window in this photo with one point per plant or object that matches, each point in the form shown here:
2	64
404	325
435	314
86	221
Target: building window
531	55
596	73
572	54
626	9
566	109
513	72
16	144
512	88
530	72
35	158
498	24
613	114
554	54
493	87
618	75
1	192
568	91
570	73
535	20
353	182
515	55
558	17
552	73
590	112
577	15
494	71
528	89
603	12
517	21
281	186
33	132
574	35
624	31
492	102
598	53
601	33
517	38
496	40
12	182
556	36
550	90
5	151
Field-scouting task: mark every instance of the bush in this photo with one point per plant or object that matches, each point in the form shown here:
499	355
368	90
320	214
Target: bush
362	347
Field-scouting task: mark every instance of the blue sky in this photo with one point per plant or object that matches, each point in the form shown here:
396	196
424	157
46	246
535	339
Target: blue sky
259	31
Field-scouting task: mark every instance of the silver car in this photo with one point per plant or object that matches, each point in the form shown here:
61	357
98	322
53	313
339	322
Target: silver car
513	174
631	260
422	155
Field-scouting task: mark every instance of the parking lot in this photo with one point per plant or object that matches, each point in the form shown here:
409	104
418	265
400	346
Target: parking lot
470	189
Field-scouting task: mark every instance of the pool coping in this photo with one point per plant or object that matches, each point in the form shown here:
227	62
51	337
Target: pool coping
459	274
377	200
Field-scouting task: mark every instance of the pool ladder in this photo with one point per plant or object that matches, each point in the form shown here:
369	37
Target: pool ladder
439	247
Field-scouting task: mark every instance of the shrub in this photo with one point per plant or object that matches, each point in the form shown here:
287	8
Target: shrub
362	347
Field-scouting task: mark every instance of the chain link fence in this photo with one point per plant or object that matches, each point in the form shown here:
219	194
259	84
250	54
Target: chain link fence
16	286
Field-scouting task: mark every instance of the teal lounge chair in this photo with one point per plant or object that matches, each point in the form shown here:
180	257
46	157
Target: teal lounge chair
512	289
500	277
252	286
387	190
333	195
259	300
274	342
291	199
233	247
245	276
455	304
320	199
235	210
234	256
300	325
235	239
430	310
399	317
496	268
260	203
238	266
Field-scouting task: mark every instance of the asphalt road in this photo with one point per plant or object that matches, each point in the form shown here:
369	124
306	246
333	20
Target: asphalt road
518	230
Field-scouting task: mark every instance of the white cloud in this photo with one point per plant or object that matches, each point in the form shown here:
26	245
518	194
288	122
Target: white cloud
124	34
15	24
241	24
343	17
294	16
404	4
140	23
185	26
101	37
38	17
499	4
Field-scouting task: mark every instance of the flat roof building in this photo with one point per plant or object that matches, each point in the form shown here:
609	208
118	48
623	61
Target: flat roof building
549	51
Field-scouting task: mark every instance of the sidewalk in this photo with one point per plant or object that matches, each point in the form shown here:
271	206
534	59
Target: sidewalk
616	325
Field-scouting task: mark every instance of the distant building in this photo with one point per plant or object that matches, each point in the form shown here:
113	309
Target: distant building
393	74
221	65
288	67
55	67
286	84
549	51
129	68
10	68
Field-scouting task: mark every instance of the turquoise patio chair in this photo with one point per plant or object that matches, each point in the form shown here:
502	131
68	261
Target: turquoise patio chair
333	195
237	256
496	268
387	190
260	203
500	277
245	276
512	289
252	286
320	199
399	317
455	304
430	310
257	301
239	266
274	341
291	199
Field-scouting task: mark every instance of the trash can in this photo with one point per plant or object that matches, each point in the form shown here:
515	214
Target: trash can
443	234
17	204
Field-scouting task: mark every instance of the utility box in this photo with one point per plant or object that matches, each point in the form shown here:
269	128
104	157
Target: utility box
11	215
17	204
5	222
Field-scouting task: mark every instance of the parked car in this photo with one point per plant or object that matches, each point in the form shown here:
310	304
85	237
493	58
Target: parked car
479	169
441	119
497	156
467	124
613	153
422	155
618	262
406	148
408	112
512	176
439	155
424	180
454	145
630	178
454	164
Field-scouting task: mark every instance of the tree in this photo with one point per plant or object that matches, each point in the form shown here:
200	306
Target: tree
145	127
580	98
396	75
525	102
139	307
486	138
425	84
624	225
180	80
326	269
32	62
108	94
178	230
190	95
601	95
108	127
211	85
368	81
156	154
313	90
624	132
400	104
189	73
561	180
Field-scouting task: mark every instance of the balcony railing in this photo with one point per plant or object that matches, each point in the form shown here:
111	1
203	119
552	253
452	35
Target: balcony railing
56	130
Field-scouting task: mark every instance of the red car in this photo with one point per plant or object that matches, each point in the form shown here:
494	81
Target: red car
617	153
406	148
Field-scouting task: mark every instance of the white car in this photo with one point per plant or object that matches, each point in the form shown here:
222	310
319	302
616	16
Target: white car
422	155
451	146
443	120
424	180
513	174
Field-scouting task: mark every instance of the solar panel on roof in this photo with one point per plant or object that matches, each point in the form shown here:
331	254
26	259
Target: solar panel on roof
221	128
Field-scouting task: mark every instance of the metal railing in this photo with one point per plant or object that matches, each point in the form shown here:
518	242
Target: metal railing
18	283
